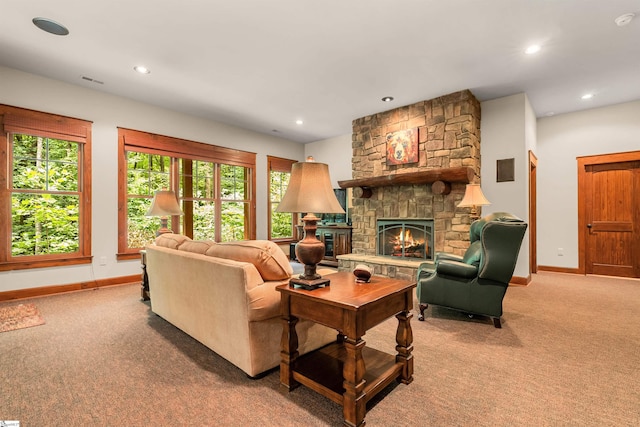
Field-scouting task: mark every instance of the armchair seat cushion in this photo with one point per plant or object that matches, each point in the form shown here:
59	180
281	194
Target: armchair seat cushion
457	269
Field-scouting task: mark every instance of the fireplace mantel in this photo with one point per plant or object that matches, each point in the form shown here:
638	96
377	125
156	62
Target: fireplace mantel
440	178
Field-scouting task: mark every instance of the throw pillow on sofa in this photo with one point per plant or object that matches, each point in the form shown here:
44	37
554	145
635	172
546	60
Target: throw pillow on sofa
196	246
269	259
170	240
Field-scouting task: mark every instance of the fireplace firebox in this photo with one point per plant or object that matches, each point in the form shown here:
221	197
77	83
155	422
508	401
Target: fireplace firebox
405	238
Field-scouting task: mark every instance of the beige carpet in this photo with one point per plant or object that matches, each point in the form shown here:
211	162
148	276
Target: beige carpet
19	316
567	355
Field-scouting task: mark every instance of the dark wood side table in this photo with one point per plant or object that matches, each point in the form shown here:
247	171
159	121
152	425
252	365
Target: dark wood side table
346	371
144	286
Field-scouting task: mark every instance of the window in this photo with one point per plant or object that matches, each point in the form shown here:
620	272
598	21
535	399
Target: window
214	185
198	191
281	224
146	173
205	204
45	193
234	205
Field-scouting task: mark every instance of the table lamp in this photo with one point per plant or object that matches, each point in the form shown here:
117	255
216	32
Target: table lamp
309	192
473	198
164	205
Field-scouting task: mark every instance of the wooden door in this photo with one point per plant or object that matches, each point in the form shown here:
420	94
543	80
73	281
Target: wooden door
612	205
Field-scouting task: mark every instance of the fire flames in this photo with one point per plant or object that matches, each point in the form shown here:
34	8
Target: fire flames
405	242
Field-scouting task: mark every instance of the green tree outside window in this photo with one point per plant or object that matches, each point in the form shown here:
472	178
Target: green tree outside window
281	222
45	202
197	194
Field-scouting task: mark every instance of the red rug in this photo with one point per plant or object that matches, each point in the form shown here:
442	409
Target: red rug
19	316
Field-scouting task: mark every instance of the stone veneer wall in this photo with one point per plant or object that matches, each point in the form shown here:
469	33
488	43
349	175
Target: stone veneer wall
449	136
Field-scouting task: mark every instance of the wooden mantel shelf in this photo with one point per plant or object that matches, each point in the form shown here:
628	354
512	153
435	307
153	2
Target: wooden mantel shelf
462	174
440	180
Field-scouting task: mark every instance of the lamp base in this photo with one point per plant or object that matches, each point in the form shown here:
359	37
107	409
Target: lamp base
164	226
163	231
307	284
309	252
473	214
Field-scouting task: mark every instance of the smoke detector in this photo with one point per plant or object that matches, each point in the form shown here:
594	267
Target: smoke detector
623	20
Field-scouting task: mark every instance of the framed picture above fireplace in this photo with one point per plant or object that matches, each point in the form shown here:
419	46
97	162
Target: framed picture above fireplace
402	147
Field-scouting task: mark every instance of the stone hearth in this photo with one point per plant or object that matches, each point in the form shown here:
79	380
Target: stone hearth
448	137
382	265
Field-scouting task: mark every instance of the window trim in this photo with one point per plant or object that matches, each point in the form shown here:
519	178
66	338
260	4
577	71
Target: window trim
38	123
279	164
134	140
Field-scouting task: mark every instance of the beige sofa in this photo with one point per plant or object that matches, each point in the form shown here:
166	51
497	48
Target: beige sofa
223	295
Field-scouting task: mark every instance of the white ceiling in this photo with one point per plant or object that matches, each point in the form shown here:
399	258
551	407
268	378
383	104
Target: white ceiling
262	65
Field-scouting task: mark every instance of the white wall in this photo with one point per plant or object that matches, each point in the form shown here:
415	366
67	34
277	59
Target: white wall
107	113
337	153
561	139
508	131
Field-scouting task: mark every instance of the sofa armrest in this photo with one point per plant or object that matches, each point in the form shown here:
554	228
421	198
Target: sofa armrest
263	301
457	269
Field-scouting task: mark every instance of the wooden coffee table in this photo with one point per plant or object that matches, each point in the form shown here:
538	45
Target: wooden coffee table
346	371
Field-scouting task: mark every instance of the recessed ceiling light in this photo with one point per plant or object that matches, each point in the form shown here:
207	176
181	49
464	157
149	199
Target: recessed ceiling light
535	48
299	122
587	96
51	27
387	99
623	20
142	69
550	113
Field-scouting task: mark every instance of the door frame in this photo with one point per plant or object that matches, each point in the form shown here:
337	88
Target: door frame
583	162
533	218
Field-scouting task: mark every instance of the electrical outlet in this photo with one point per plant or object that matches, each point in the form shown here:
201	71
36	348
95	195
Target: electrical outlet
103	260
560	251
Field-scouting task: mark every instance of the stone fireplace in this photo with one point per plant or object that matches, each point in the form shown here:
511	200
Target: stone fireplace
448	158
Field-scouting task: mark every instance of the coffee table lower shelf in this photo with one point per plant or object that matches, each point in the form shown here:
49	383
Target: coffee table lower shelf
321	371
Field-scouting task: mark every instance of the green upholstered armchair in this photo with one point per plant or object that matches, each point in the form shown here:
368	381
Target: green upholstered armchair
476	282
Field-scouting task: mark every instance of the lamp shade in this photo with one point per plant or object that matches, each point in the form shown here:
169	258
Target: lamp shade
164	203
310	190
473	197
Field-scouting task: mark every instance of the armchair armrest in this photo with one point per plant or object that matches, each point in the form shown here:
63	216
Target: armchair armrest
426	269
456	268
442	256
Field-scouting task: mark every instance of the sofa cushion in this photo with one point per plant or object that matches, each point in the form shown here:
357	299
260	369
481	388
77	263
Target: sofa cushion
170	240
269	259
196	246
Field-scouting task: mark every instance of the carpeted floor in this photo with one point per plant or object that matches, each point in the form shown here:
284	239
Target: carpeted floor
567	355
